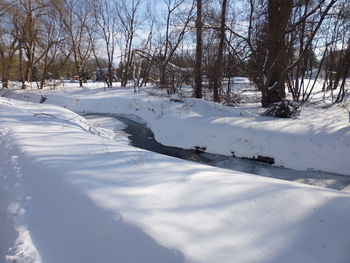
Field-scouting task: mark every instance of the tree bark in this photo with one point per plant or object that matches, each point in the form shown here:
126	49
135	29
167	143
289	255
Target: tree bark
199	45
279	12
218	65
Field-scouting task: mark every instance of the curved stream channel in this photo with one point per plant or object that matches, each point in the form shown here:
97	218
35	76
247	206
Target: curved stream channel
142	137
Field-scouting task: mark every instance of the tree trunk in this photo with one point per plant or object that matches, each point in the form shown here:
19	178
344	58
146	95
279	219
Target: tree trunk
110	75
21	64
279	12
163	83
128	54
218	65
343	73
5	72
5	82
199	44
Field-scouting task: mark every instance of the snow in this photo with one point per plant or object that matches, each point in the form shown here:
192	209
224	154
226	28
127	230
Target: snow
318	139
16	244
333	181
78	194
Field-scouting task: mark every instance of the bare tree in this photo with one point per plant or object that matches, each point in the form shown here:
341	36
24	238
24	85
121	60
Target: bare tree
8	41
106	19
337	56
149	50
178	18
75	15
307	28
29	12
127	12
276	41
49	45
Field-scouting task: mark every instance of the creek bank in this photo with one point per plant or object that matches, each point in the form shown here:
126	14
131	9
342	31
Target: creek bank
141	136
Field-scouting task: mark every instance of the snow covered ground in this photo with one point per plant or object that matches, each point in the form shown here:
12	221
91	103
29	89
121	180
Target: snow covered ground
318	139
140	136
75	193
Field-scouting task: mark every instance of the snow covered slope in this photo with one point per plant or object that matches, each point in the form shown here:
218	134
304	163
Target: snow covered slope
79	197
319	139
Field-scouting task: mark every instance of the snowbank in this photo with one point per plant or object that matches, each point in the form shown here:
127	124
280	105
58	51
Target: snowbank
319	139
87	198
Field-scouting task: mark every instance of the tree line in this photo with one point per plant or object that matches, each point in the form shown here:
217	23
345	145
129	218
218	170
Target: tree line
277	44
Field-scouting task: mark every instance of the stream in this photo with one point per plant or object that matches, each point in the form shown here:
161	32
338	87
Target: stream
141	136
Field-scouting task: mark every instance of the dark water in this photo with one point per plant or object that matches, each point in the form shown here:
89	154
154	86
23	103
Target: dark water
142	137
